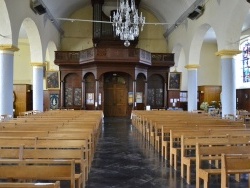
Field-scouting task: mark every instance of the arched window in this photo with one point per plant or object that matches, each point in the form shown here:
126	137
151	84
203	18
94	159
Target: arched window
242	65
246	61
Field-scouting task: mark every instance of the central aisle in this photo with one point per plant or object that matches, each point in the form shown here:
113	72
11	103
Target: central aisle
122	160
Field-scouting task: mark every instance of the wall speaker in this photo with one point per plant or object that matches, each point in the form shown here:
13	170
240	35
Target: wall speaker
39	8
196	13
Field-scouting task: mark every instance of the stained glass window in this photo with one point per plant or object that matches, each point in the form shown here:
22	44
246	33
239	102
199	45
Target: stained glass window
246	62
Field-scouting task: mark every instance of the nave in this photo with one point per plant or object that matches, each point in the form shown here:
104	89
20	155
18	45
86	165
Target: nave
124	160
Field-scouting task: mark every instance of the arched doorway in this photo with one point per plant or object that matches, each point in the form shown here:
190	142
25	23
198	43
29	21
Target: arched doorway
116	94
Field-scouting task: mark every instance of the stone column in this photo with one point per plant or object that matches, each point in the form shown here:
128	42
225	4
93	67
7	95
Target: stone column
37	85
192	86
6	79
228	82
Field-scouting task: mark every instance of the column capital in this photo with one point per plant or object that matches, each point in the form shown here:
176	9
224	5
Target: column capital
228	53
8	47
37	64
192	66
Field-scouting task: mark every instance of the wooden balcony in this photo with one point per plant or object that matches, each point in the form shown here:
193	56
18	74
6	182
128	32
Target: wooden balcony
113	55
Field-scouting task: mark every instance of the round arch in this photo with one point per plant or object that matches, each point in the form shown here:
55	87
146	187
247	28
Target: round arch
229	34
50	56
5	29
34	39
196	44
180	62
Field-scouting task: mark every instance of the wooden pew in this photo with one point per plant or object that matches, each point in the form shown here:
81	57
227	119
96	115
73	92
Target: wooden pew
234	164
165	138
48	142
175	139
52	130
188	146
188	121
213	153
30	185
50	152
77	154
152	122
55	170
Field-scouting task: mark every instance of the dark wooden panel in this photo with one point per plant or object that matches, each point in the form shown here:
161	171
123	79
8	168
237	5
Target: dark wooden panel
174	94
23	95
243	99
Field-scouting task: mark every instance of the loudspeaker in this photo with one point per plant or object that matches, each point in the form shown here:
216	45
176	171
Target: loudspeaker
196	13
248	1
39	8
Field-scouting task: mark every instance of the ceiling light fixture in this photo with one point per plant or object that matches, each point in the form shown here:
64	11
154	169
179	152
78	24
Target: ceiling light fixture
126	21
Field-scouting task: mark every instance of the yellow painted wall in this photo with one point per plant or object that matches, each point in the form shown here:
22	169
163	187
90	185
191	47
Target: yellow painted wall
210	66
78	35
22	67
151	38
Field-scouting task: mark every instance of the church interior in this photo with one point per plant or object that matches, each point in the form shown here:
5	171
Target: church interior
124	93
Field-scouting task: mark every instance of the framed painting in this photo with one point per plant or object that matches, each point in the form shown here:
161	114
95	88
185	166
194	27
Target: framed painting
90	98
53	79
174	81
139	97
130	97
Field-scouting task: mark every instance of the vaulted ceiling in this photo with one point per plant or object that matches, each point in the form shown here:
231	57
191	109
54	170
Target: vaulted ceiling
167	11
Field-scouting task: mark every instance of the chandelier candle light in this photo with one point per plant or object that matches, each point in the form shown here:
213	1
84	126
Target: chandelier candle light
126	21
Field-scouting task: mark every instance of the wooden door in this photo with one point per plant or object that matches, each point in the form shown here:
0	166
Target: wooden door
115	100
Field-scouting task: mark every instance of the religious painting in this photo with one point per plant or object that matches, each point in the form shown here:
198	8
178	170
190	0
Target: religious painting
53	79
54	101
130	97
90	98
139	97
174	81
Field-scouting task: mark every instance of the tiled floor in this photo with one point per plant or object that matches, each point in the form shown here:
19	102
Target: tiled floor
124	160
